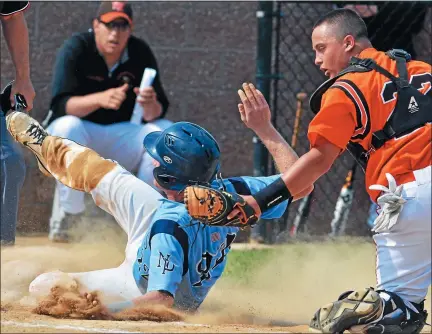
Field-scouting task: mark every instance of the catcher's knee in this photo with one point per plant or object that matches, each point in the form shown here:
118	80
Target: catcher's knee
42	285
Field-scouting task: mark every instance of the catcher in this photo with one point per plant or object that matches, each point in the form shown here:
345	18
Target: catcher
170	259
379	107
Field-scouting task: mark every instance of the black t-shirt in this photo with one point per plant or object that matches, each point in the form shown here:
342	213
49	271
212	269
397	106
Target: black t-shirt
11	7
80	70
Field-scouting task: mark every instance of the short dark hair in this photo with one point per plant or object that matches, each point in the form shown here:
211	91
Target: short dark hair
347	21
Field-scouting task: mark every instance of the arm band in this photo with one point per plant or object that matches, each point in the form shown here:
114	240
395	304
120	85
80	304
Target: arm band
272	195
120	306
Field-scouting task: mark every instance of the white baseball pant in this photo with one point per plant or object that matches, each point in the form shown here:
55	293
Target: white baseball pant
129	200
403	263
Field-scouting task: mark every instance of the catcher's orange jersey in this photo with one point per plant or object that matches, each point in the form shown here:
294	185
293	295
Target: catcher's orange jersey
359	104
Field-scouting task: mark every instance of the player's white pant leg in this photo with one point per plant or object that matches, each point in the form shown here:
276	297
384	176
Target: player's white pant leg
404	253
114	284
130	201
133	203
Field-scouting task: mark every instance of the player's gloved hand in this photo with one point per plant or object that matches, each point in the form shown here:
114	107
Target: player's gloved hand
213	207
391	203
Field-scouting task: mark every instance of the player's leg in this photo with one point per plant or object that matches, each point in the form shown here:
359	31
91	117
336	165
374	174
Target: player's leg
68	204
131	201
12	174
403	274
114	284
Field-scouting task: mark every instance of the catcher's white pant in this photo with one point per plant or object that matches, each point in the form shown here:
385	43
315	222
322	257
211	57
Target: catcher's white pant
129	200
122	142
403	263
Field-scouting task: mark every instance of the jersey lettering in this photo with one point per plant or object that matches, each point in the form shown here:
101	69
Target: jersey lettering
166	263
205	265
421	82
144	271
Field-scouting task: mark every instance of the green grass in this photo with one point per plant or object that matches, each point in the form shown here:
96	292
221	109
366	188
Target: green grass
242	264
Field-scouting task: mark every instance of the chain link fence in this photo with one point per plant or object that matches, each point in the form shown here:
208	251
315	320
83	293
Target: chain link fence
390	25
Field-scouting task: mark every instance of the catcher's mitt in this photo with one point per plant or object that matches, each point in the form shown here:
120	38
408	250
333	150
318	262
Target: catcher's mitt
211	207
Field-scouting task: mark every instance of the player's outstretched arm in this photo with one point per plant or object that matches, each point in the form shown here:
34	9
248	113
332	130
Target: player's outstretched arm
309	168
255	113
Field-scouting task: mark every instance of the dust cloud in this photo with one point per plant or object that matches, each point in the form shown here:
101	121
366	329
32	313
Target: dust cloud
286	291
32	256
293	285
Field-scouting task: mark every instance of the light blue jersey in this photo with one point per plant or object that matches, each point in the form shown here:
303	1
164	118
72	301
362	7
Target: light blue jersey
184	257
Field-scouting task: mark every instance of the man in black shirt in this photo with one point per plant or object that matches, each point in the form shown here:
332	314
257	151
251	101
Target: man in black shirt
12	166
96	83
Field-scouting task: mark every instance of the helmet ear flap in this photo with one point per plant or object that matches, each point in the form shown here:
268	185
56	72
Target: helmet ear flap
165	180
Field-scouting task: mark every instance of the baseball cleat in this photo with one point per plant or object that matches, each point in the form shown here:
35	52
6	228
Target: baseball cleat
358	308
30	133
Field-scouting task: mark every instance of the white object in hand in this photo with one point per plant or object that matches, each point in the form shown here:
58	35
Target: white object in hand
146	81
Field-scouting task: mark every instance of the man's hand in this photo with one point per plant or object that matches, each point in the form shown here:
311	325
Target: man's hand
249	200
147	98
24	87
254	109
113	98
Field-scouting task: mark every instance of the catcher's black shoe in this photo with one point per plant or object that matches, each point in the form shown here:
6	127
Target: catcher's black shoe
30	133
369	312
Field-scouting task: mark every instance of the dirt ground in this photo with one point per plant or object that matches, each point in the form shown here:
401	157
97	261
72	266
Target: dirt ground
282	298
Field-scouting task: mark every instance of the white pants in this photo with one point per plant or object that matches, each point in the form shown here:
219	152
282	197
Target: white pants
122	142
132	203
404	253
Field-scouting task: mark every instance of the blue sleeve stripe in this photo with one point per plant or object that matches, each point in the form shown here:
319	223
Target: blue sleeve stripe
240	185
172	228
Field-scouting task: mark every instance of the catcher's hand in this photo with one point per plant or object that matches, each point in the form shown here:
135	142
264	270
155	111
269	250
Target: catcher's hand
212	207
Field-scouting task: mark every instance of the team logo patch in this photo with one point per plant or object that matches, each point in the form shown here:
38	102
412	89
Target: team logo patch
164	263
413	105
118	6
126	77
215	236
167	159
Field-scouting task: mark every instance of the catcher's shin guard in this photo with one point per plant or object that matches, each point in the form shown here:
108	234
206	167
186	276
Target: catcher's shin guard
74	165
370	312
30	133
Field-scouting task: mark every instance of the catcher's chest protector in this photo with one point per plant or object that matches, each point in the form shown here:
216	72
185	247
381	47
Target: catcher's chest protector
412	111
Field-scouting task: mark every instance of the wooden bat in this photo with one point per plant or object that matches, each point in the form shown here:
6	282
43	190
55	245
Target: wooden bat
301	98
343	204
303	209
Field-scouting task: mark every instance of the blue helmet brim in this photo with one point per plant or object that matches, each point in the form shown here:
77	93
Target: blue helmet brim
150	142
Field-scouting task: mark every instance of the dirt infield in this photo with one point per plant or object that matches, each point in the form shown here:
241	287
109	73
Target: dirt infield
281	298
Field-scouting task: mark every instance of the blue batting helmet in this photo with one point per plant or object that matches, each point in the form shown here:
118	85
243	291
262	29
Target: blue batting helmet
186	153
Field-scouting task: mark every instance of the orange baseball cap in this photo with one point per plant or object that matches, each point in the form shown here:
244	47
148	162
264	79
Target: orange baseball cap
112	10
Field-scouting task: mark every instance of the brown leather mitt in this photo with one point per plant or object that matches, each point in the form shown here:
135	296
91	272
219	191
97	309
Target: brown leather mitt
211	207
